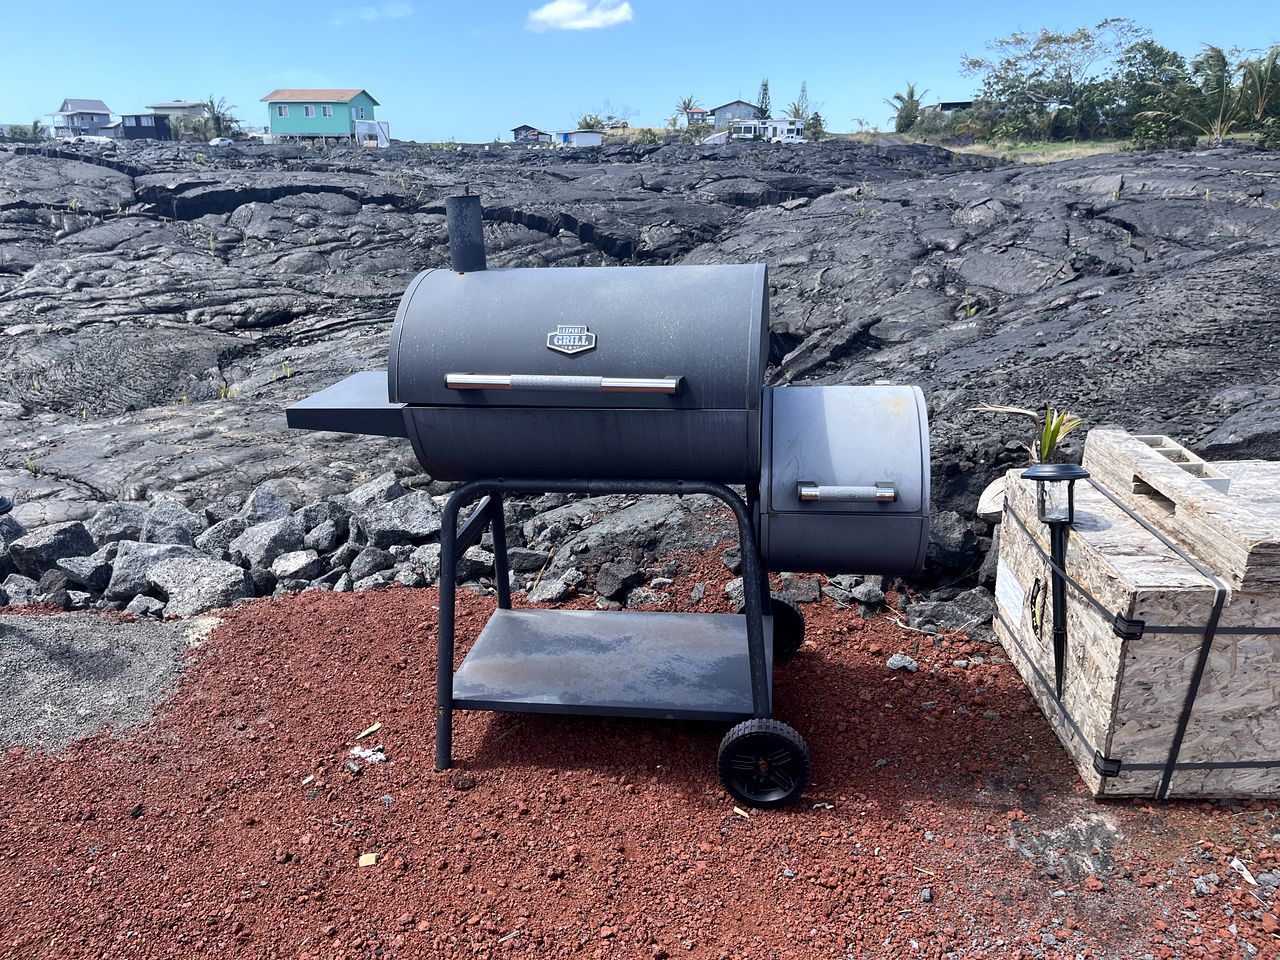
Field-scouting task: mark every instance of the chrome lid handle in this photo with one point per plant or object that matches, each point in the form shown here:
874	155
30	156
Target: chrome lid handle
882	492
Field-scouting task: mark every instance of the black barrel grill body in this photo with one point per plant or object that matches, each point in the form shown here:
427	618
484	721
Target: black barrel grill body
649	372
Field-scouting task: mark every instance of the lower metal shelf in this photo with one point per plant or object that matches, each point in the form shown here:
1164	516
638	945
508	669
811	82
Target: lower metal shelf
680	666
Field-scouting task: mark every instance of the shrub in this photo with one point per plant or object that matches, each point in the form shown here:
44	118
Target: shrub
1270	139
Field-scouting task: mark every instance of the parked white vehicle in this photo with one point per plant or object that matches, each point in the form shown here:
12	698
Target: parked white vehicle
789	138
221	142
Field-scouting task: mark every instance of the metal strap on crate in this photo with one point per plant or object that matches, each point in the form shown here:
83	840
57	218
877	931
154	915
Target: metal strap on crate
1135	629
1109	766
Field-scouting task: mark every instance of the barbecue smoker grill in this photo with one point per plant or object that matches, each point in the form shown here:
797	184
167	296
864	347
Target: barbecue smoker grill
644	380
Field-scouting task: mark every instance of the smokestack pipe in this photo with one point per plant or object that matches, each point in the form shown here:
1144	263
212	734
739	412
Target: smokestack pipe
466	233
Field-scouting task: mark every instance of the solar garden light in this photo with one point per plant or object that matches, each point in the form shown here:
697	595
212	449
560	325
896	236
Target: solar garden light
1056	508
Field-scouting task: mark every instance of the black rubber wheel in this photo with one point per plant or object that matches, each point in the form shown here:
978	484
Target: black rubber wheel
764	764
788	628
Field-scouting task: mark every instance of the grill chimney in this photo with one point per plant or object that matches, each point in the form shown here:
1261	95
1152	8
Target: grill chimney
466	233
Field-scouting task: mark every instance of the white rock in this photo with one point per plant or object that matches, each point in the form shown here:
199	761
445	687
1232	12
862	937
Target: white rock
991	503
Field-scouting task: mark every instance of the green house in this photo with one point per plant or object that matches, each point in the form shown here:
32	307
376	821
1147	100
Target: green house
320	114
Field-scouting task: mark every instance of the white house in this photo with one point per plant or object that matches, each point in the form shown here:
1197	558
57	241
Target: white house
578	138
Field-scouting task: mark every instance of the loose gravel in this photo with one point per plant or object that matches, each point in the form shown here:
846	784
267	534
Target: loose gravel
944	819
66	677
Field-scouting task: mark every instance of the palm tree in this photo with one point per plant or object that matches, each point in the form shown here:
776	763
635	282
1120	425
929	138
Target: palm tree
906	108
1220	106
686	104
37	130
218	121
1262	84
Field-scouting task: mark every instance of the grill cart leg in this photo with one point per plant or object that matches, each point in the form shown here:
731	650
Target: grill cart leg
754	603
501	576
444	649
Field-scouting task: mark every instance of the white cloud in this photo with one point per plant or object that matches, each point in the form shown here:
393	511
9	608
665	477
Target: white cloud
367	13
579	15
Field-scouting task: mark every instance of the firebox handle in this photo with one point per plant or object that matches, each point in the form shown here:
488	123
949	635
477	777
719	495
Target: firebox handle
546	383
877	493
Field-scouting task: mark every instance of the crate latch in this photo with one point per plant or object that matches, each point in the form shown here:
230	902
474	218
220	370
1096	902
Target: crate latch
1127	629
1105	766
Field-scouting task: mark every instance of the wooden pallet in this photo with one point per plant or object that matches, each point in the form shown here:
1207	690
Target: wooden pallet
1124	696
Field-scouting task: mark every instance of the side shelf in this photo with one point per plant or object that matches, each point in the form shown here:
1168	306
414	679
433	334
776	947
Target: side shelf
357	404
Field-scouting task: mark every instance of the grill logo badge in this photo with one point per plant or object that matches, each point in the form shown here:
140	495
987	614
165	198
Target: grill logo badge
571	338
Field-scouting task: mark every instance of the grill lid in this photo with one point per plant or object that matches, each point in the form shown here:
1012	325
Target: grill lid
679	337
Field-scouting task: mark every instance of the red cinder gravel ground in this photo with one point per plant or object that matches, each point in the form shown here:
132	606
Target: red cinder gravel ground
200	835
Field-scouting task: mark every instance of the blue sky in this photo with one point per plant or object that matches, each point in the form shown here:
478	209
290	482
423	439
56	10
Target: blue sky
472	70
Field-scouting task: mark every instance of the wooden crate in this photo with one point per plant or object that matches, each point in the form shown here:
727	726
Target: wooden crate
1127	685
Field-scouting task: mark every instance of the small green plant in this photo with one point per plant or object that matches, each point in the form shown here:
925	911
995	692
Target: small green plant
74	205
286	369
35	384
200	159
1053	426
212	246
969	304
32	468
1128	238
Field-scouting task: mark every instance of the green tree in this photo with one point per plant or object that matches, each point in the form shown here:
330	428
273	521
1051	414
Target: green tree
763	106
815	127
798	109
1219	106
1041	81
38	130
19	132
695	132
218	121
1148	77
591	121
906	108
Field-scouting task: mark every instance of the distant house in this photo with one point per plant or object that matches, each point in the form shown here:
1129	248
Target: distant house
948	106
578	138
143	126
178	108
527	134
81	118
696	115
726	113
323	115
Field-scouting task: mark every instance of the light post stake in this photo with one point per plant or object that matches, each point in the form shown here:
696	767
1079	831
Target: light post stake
1055	506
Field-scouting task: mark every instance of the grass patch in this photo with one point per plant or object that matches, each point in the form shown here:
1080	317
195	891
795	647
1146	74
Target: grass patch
1045	152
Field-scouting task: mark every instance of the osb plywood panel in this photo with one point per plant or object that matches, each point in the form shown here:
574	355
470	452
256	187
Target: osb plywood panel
1126	696
1237	533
